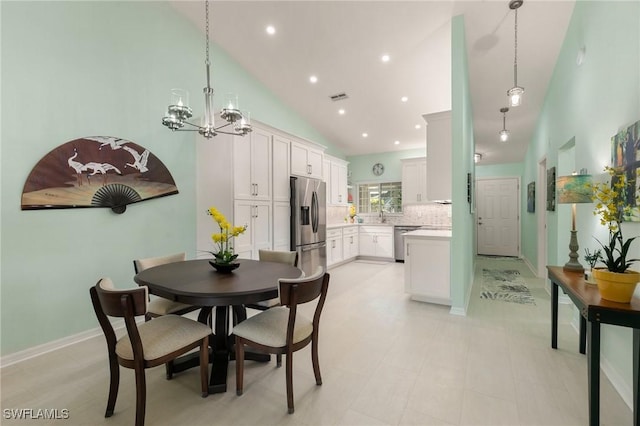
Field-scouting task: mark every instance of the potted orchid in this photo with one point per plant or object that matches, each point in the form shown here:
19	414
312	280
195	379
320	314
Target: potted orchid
612	209
225	256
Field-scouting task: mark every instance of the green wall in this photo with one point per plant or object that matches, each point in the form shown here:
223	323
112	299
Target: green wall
360	165
591	103
463	241
74	69
499	170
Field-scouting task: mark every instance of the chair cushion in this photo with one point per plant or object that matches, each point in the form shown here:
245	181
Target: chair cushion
161	306
269	303
270	327
163	335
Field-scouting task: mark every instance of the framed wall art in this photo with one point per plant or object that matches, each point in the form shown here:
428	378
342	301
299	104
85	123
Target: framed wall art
96	171
531	197
625	157
551	189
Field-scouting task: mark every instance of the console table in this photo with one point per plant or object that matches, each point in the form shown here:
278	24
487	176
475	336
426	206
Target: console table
593	312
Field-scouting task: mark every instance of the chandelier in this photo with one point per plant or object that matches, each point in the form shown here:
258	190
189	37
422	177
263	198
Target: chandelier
179	112
515	93
504	133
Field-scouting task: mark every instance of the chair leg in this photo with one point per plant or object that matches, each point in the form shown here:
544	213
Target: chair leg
314	359
141	395
239	365
289	375
114	383
168	368
204	366
278	360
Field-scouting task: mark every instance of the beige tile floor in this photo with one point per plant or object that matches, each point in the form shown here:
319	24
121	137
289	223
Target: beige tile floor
385	360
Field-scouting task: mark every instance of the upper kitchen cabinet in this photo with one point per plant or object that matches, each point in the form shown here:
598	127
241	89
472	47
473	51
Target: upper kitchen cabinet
252	166
281	167
414	180
336	178
438	155
306	160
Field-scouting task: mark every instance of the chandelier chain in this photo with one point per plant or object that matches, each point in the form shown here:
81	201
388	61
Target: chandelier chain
207	31
515	55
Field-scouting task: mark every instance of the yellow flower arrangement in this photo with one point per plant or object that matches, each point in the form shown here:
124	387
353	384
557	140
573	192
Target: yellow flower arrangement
352	210
223	239
612	207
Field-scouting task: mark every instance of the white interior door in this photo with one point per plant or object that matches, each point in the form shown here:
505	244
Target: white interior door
498	220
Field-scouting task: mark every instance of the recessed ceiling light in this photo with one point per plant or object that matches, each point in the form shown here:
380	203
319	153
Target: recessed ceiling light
271	30
396	143
364	135
341	111
418	126
404	99
313	79
385	58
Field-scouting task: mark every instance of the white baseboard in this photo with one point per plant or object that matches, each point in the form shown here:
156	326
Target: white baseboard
44	348
35	351
617	381
626	392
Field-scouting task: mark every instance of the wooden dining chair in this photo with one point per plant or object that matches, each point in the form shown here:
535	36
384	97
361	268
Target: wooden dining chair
146	345
288	257
283	330
159	306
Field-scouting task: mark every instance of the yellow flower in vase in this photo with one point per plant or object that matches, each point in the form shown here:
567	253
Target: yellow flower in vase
223	239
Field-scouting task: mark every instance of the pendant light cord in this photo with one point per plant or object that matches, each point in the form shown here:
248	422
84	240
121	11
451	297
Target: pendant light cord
207	62
515	55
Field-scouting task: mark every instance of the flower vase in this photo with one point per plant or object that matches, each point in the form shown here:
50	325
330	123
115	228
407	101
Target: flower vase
614	286
224	268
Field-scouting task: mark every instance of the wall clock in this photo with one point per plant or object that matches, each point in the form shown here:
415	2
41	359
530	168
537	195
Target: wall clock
378	169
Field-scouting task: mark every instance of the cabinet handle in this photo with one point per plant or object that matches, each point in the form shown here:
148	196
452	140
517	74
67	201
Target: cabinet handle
407	250
351	239
257	189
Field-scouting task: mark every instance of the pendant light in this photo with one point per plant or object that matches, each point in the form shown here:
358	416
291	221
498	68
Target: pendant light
504	133
516	92
178	111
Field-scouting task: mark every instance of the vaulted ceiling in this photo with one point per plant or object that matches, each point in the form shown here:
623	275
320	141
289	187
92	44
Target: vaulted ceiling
342	42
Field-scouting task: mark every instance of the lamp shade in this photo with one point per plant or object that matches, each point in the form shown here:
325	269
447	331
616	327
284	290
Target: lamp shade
574	189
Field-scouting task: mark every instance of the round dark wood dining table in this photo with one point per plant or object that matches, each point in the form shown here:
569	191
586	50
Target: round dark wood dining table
195	282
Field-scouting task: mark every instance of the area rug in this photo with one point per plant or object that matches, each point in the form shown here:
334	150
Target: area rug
505	285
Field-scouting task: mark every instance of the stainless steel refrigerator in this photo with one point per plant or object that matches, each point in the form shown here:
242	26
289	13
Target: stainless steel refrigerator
309	222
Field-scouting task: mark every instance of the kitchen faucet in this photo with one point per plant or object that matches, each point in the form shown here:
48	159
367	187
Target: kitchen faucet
381	216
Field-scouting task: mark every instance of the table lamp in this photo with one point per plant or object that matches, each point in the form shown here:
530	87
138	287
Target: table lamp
574	189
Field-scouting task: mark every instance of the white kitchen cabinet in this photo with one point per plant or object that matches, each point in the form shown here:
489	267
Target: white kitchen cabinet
376	241
335	176
281	169
281	231
306	160
350	242
427	266
414	181
257	216
439	155
334	246
252	166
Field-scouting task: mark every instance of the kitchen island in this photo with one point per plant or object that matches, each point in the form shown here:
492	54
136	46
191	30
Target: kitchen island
427	265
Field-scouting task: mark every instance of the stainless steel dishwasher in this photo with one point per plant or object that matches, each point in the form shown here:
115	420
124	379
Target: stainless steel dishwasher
398	240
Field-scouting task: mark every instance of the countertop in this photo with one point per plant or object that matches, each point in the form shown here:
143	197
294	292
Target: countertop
342	225
430	234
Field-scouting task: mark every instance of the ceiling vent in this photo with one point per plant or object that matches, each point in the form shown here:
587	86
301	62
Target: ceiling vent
338	97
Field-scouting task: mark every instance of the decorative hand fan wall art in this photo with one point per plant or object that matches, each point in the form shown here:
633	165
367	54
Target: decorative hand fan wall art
96	171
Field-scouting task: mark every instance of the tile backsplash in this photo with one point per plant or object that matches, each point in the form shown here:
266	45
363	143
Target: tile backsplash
423	214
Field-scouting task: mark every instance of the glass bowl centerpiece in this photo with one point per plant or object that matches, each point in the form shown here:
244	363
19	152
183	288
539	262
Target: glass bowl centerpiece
616	281
224	258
